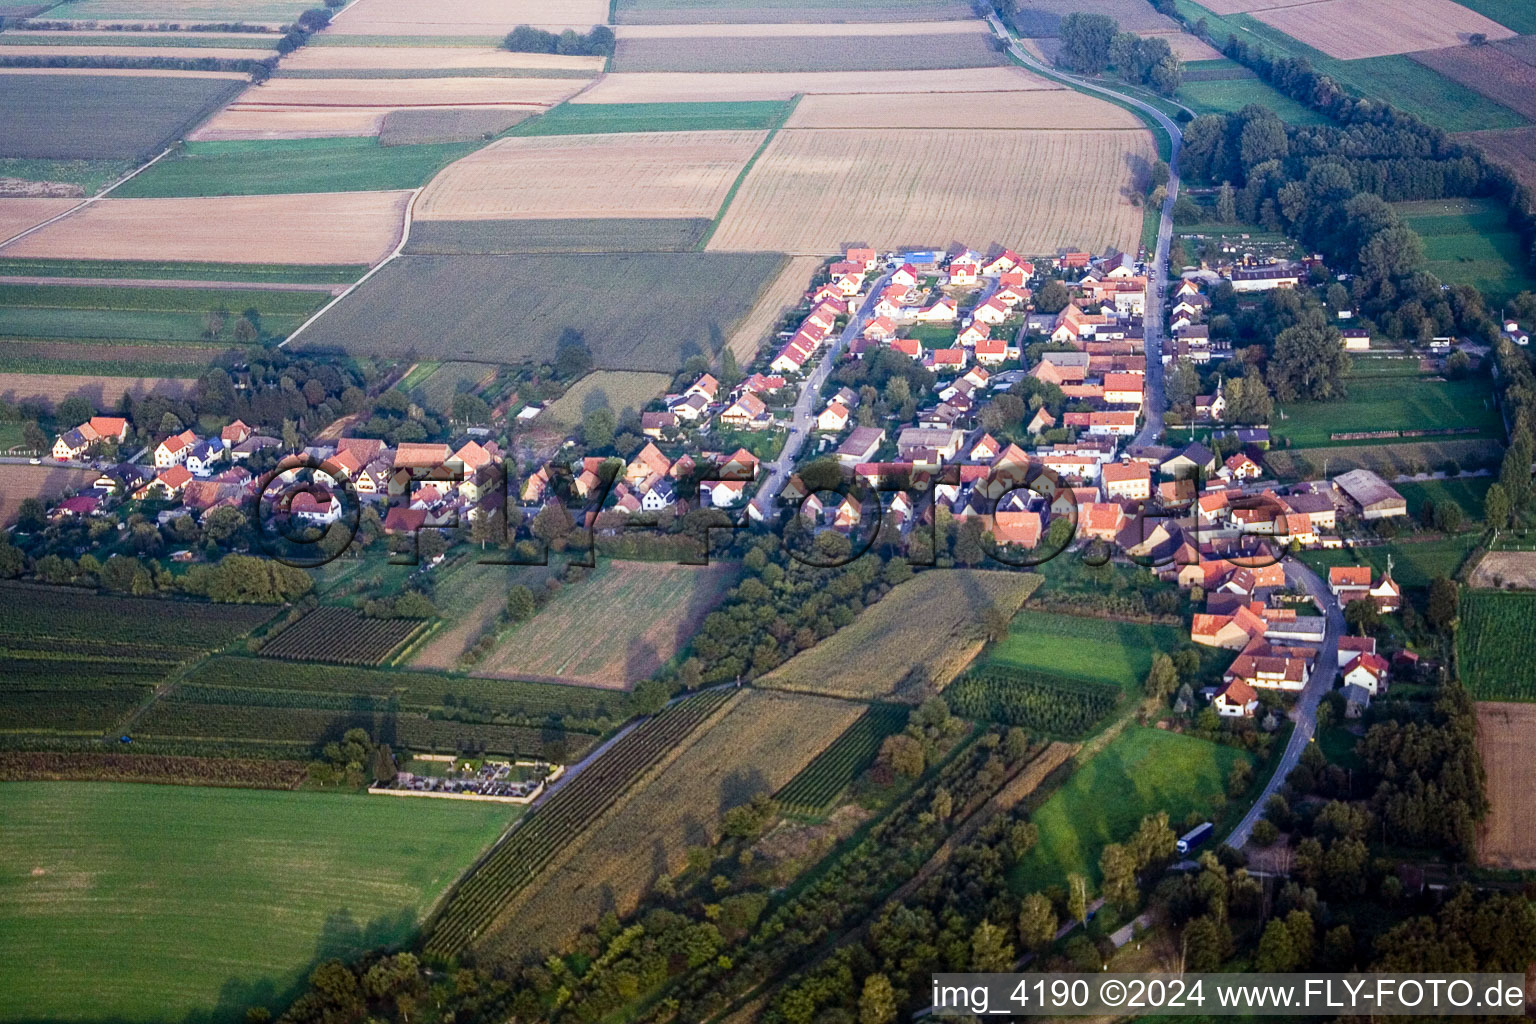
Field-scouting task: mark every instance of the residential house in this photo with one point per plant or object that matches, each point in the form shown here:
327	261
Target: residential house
940	359
741	465
881	328
657	424
1240	467
1194	458
940	443
1236	699
905	275
1041	422
173	451
747	413
1123	388
169	484
1351	647
860	446
833	418
204	456
1265	667
1356	339
994	311
1119	424
723	493
1130	481
251	445
942	311
991	351
985	449
1369	672
964	271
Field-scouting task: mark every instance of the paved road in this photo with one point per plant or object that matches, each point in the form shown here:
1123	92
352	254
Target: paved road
1157	286
805	407
1304	714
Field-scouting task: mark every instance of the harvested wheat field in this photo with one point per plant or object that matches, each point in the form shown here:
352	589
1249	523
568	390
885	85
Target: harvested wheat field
1514	147
234	76
1352	29
622	391
1506	838
1248	6
103	392
1019	109
289	123
326	227
465	17
17	483
759	745
16	215
1185	46
389	93
881	655
1515	570
655	174
727	53
1036	191
613	629
1490	70
782	295
432	58
701	87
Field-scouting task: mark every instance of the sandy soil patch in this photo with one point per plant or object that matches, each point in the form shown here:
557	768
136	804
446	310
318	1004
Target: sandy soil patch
667	174
177	52
1186	47
782	294
18	483
695	87
1506	838
1031	109
1490	70
406	92
343	227
103	392
1351	29
891	28
466	17
443	58
129	72
1035	191
1505	569
289	123
16	215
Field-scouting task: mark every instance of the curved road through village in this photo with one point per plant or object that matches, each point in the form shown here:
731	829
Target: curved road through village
1297	575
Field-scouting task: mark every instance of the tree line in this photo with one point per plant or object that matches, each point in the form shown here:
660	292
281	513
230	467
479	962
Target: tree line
599	41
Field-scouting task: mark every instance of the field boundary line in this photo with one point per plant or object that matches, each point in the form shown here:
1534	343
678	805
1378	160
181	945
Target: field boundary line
730	196
405	234
91	199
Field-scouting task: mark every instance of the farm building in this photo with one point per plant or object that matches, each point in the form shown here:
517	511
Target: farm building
1375	497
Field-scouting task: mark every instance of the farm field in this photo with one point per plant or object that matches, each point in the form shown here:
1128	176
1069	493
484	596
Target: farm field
343	636
624	392
469	603
174	40
35	52
694	87
1414	564
1351	29
123	890
879	655
1512	14
590	235
669	174
435	126
103	116
1041	17
759	745
451	379
1393	404
727	52
1148	770
666	12
1041	703
1035	108
596	118
1078	647
18	483
1469	241
1515	148
814	192
409	92
88	310
182	11
161	270
287	166
342	227
659	308
620	626
467	17
440	59
1499	569
103	392
1389	460
1491	70
782	295
1492	644
17	215
482	899
1228	96
819	783
1505	837
86	358
58	178
1466	492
